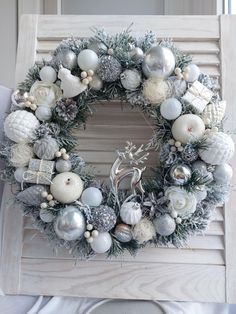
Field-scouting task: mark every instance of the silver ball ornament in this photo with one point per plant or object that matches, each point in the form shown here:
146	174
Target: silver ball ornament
96	83
165	225
67	59
48	74
87	60
199	167
123	233
223	174
136	54
92	197
159	62
70	224
43	113
171	108
63	165
180	174
109	69
130	79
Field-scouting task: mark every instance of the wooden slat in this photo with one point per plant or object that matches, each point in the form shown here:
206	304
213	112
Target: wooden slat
113	278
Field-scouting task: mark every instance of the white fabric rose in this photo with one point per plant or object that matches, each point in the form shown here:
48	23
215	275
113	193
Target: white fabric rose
45	94
181	201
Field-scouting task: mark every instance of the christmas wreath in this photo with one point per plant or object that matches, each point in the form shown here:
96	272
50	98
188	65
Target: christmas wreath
59	190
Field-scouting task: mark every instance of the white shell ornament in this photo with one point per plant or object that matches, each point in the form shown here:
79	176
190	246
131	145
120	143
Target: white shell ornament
188	128
159	62
131	213
171	108
43	113
48	74
130	79
19	126
214	113
92	197
219	148
165	225
87	60
70	84
45	148
101	243
223	174
191	73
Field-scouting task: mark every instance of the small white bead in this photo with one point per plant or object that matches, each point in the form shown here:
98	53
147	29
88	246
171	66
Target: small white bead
207	121
171	141
89	240
87	234
49	197
177	144
173	148
95	233
63	150
27	104
85	81
44	205
58	154
110	51
90	78
178	71
185	76
31	98
215	129
174	214
65	156
180	149
207	131
89	227
44	194
178	220
84	74
90	72
33	107
51	203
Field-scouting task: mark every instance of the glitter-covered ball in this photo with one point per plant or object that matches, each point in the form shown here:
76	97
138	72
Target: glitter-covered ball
103	218
109	69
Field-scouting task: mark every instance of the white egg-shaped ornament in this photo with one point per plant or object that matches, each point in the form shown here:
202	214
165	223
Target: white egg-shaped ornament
191	73
101	243
188	128
70	224
87	60
131	212
171	108
158	62
20	125
218	148
130	79
19	173
66	187
164	225
43	113
223	174
92	197
48	74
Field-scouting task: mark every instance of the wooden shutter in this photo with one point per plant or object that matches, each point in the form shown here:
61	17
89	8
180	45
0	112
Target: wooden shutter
205	270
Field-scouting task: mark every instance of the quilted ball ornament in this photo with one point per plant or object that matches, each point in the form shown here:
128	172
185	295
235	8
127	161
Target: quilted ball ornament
130	79
45	148
131	213
218	148
214	113
20	125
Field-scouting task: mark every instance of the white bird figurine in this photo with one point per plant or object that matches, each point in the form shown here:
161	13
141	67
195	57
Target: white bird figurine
70	84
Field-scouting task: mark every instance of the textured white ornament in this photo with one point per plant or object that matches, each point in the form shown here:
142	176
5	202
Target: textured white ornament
45	94
87	60
66	187
48	74
164	225
20	125
156	90
144	230
21	154
43	113
223	174
191	73
18	174
131	213
101	243
171	108
92	197
96	83
130	79
70	84
218	148
188	128
214	113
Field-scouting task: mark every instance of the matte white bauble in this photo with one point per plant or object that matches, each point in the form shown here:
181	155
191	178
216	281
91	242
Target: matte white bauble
130	79
171	108
48	74
101	243
191	73
131	213
87	60
92	197
66	187
223	174
188	128
43	113
20	125
96	83
218	148
18	174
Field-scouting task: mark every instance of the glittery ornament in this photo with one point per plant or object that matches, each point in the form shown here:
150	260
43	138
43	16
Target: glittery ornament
130	79
66	109
21	154
189	153
165	225
156	90
144	230
123	233
207	81
103	218
109	69
32	195
46	147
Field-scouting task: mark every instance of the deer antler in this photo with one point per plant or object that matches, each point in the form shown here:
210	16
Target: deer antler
132	155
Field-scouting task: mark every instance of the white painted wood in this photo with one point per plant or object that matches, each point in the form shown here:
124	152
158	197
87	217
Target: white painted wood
195	273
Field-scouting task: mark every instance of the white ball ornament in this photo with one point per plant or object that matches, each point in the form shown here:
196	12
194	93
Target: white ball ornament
48	74
101	243
218	148
171	108
87	60
131	213
19	126
191	73
188	128
223	174
130	79
43	113
92	197
66	187
18	174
